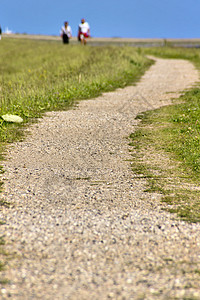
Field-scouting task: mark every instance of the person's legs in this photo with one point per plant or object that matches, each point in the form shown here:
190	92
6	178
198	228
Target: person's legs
83	37
65	39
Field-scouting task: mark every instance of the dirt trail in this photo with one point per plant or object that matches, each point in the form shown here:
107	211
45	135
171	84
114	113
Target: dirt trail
82	226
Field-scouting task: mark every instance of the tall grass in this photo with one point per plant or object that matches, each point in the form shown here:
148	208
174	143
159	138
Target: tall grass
37	76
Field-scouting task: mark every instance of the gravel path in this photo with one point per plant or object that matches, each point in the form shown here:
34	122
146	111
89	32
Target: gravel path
82	226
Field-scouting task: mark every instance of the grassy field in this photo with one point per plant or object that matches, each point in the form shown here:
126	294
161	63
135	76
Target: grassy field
39	76
173	133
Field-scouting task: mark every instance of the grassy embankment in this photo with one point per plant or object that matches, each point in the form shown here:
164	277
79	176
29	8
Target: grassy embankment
167	146
37	76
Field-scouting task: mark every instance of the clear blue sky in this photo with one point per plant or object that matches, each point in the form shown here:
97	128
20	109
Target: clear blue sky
107	18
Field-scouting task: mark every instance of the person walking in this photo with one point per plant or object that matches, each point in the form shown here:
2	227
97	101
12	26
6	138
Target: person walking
66	32
0	32
83	31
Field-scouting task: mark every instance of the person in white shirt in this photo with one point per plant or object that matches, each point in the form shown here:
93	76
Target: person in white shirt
66	33
83	31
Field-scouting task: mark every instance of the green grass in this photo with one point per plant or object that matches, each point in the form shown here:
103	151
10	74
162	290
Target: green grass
38	76
173	133
41	76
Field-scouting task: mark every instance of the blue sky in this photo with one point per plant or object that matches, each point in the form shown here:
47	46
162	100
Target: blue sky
107	18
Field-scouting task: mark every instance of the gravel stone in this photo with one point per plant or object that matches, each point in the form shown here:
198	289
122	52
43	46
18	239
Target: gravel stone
80	225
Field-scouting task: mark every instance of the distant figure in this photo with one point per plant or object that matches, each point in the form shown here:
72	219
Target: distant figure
66	33
83	31
0	32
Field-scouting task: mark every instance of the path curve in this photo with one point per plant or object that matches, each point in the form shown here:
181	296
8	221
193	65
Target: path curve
82	226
